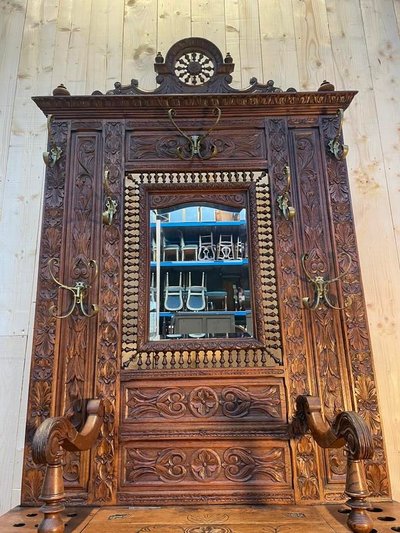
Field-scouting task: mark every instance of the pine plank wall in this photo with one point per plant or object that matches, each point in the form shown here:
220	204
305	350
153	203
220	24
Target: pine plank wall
90	44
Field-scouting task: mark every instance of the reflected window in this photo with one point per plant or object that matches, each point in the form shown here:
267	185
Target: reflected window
199	273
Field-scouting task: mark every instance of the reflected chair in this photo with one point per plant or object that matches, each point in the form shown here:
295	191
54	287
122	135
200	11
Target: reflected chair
170	248
217	296
173	295
239	249
225	248
206	248
187	247
153	303
196	296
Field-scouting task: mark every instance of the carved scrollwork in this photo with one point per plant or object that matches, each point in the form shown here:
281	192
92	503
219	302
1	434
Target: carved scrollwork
238	401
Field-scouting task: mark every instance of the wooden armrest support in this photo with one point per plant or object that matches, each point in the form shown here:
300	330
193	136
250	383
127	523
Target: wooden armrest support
348	431
52	437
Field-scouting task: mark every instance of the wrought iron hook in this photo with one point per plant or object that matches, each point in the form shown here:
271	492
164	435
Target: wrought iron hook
195	141
321	286
79	292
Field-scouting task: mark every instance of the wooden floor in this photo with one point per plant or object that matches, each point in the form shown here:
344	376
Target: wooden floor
216	519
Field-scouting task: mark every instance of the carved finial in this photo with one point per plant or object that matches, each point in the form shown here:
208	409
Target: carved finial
159	58
61	90
228	58
326	86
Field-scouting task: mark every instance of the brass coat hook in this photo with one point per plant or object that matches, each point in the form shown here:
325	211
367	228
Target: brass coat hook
321	286
110	203
195	142
79	292
283	199
335	147
51	157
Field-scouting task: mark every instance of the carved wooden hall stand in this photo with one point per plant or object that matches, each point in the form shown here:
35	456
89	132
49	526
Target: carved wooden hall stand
189	419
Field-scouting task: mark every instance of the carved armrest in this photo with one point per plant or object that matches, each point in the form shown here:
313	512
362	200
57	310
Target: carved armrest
348	431
52	437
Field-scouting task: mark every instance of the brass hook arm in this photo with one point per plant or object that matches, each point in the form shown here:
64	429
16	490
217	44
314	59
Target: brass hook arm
283	199
335	147
78	291
321	286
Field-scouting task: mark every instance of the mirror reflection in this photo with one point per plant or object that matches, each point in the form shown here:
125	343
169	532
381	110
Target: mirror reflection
199	273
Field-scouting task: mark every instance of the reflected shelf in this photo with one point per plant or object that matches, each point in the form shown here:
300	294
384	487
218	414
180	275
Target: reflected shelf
191	264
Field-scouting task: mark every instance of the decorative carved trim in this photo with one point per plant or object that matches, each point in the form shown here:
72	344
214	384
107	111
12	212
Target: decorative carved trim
41	384
230	145
355	315
239	464
273	104
203	402
109	328
307	481
247	352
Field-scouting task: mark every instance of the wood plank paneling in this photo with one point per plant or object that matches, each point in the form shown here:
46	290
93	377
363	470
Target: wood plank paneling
140	40
278	43
91	44
314	51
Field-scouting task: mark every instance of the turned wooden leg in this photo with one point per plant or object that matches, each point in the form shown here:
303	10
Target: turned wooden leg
359	520
53	496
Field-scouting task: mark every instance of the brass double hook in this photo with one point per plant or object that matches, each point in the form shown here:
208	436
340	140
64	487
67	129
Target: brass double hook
283	199
195	142
321	286
51	157
335	147
79	292
110	203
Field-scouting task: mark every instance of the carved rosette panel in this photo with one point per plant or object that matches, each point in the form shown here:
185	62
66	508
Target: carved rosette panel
325	341
77	333
189	465
217	403
230	145
355	316
109	329
41	385
307	481
136	354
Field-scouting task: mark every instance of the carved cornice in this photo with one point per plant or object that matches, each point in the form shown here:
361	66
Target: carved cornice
271	104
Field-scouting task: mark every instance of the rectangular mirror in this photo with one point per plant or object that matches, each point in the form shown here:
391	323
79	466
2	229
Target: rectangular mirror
199	272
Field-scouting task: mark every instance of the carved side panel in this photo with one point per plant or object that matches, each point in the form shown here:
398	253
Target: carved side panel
42	378
306	470
241	401
324	334
355	318
205	471
230	145
77	347
109	328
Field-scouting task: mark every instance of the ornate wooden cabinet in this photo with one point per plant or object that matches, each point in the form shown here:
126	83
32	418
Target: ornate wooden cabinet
199	418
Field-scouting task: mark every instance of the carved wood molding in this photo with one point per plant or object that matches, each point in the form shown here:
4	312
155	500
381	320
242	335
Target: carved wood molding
307	479
44	341
355	315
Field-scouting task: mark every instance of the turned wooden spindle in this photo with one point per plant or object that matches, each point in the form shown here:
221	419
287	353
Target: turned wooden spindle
350	431
52	437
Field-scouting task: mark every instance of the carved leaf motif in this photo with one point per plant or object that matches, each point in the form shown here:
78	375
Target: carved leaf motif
168	402
241	464
368	402
238	401
170	465
377	480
